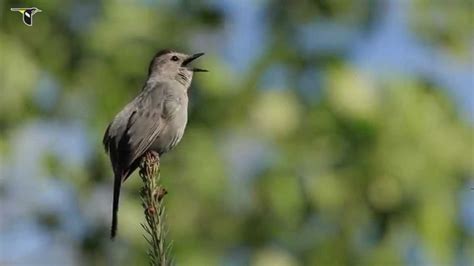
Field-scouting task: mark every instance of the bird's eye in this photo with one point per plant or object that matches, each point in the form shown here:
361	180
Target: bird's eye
174	58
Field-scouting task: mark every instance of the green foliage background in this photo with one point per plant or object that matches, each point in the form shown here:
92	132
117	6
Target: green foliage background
350	168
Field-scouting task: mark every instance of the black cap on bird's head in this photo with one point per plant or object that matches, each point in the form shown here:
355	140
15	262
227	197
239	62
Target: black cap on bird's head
163	52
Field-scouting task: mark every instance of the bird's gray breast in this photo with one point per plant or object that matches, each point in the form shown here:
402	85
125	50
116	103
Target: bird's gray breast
174	117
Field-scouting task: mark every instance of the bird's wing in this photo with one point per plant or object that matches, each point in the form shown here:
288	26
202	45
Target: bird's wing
142	132
144	125
141	124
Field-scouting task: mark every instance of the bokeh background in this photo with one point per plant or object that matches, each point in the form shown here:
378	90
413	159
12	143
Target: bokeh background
327	132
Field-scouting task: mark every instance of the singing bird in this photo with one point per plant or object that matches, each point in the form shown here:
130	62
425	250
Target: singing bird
153	121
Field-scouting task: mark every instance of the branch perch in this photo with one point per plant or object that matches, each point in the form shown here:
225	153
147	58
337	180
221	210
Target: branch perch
152	194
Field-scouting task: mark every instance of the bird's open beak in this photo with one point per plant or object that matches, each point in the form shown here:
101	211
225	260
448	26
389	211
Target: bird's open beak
192	58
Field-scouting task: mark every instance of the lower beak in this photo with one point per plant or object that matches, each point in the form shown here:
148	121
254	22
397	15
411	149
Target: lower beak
195	69
192	58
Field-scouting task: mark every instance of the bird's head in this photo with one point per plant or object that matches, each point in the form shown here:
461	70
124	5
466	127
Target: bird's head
168	64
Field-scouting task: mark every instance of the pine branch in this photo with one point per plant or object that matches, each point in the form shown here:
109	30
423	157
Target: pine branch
152	194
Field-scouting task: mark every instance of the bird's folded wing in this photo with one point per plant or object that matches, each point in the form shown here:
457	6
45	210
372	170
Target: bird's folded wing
144	126
140	135
135	129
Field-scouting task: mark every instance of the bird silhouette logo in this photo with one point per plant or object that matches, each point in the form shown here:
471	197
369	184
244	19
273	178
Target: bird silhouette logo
27	14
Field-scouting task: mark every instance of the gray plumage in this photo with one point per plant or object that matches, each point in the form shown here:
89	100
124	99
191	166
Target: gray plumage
155	120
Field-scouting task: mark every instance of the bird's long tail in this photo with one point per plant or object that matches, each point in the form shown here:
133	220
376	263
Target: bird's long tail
117	185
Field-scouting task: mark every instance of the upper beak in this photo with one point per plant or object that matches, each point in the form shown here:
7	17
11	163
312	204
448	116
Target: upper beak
192	58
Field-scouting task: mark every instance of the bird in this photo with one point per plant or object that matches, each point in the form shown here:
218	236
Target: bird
27	14
154	120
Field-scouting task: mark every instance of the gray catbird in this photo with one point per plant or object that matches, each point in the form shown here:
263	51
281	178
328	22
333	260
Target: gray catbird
154	121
